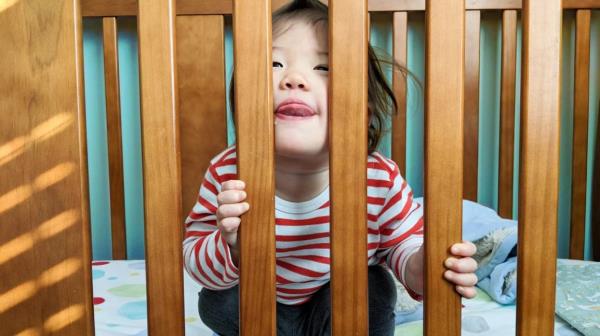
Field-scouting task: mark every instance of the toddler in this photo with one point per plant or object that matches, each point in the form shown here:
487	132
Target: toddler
395	222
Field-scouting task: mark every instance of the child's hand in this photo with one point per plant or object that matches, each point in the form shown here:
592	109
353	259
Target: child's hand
230	209
461	268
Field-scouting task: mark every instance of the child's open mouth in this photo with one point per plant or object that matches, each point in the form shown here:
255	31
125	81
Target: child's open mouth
294	111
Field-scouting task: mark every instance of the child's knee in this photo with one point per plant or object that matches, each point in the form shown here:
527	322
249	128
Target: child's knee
382	288
218	310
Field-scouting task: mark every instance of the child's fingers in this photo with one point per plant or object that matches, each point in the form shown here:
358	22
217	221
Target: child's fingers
465	249
462	265
233	185
231	197
461	279
230	224
232	210
468	292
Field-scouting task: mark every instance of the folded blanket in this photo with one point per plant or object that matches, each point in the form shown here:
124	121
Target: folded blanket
501	284
496	241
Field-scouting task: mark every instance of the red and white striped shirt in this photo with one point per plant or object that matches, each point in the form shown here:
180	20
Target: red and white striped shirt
395	231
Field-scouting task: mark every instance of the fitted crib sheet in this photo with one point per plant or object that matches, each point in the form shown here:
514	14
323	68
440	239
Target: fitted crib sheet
120	306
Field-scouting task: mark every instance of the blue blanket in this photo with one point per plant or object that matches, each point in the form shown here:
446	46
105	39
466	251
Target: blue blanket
496	241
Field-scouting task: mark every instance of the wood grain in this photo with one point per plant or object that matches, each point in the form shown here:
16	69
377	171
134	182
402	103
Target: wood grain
348	182
507	113
255	159
45	250
113	126
595	220
224	7
471	119
581	4
538	189
580	135
202	103
161	167
400	40
443	159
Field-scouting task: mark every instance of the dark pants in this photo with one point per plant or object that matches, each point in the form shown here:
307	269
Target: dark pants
219	309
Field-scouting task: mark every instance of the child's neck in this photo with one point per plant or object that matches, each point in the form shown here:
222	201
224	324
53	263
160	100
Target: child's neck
298	180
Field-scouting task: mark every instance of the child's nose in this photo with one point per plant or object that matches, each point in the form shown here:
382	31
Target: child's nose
294	81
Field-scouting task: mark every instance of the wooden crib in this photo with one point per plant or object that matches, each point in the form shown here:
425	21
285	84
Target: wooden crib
45	252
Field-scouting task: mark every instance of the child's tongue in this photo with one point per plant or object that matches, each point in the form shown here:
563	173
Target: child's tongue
296	110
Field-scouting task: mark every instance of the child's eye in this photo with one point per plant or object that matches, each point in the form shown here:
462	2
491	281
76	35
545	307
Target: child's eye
277	65
322	67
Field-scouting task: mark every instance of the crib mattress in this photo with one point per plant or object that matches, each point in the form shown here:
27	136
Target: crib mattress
120	306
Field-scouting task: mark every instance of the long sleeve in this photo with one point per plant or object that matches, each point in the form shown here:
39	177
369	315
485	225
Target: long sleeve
206	255
401	226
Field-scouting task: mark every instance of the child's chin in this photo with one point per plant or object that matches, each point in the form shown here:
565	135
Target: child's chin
296	150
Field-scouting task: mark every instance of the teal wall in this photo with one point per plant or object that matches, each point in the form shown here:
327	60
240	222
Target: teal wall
96	137
381	38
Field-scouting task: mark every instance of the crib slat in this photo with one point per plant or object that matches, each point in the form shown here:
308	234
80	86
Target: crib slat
348	182
161	167
538	197
471	142
581	4
113	126
580	134
595	220
201	85
507	113
45	260
400	40
255	159
443	158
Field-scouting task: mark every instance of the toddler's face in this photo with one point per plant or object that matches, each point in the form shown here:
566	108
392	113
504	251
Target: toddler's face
300	81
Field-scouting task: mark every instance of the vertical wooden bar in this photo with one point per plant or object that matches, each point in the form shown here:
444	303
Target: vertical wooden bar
471	119
444	92
368	26
507	113
595	220
255	158
348	182
538	191
580	135
113	126
202	103
162	181
45	251
400	40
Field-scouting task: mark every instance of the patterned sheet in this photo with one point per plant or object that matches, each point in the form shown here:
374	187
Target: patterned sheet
120	306
120	300
578	295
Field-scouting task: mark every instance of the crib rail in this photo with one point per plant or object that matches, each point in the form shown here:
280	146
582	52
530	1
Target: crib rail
400	38
580	133
161	167
348	182
224	7
539	167
113	126
471	105
507	113
444	99
255	161
45	269
31	150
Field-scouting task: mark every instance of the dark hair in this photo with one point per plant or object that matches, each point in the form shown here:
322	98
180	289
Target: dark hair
380	98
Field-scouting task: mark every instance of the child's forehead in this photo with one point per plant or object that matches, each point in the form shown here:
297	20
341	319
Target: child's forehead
300	25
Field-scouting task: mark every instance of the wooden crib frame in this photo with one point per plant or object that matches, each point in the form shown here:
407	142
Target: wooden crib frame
45	256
